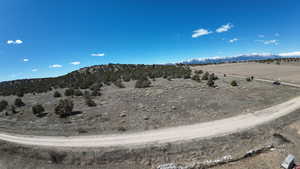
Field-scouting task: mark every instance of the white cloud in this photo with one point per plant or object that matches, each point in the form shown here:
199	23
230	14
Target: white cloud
10	42
290	54
224	28
261	36
25	60
97	54
200	32
55	66
276	34
34	70
75	63
233	40
16	42
269	42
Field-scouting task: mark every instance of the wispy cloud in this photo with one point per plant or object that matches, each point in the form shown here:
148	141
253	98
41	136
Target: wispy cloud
34	70
297	53
261	36
200	32
55	66
233	40
25	60
269	42
97	54
224	28
75	63
16	42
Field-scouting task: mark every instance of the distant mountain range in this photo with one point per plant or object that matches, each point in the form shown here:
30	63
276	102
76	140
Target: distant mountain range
238	58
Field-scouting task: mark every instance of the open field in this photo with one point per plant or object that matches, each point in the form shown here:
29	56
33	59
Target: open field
165	104
179	121
284	72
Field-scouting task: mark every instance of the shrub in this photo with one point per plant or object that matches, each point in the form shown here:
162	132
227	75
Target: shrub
89	102
205	76
64	108
96	93
20	94
233	83
187	76
19	102
119	83
69	92
142	83
248	79
56	94
211	82
169	78
13	109
3	105
78	92
37	109
213	77
198	71
196	77
96	86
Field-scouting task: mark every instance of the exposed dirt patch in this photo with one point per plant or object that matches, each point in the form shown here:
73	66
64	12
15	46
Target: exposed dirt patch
162	105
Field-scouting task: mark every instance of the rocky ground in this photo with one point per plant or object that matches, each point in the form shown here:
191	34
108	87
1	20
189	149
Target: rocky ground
162	105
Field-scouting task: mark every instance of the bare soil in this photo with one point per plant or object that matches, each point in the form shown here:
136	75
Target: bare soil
284	72
162	105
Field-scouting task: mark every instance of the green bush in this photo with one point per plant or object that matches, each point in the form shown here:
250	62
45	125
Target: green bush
205	76
142	83
196	77
37	109
89	102
119	83
211	82
19	102
56	94
69	92
213	77
78	92
198	71
3	105
233	83
64	108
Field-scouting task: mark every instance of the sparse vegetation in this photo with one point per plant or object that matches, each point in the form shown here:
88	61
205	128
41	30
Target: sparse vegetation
205	76
196	77
87	77
56	94
234	83
19	102
143	83
3	105
198	72
69	92
89	102
37	109
78	92
210	82
119	83
64	108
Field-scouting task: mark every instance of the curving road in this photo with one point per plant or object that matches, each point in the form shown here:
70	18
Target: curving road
174	134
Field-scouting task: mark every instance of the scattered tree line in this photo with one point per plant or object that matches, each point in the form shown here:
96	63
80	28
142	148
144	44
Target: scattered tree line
94	77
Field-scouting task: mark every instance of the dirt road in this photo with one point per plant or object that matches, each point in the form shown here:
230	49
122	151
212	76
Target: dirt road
181	133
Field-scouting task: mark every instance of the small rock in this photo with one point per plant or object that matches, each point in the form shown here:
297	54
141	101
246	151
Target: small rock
173	108
123	114
146	117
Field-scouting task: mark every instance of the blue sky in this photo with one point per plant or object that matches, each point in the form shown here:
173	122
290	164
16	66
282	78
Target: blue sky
42	38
